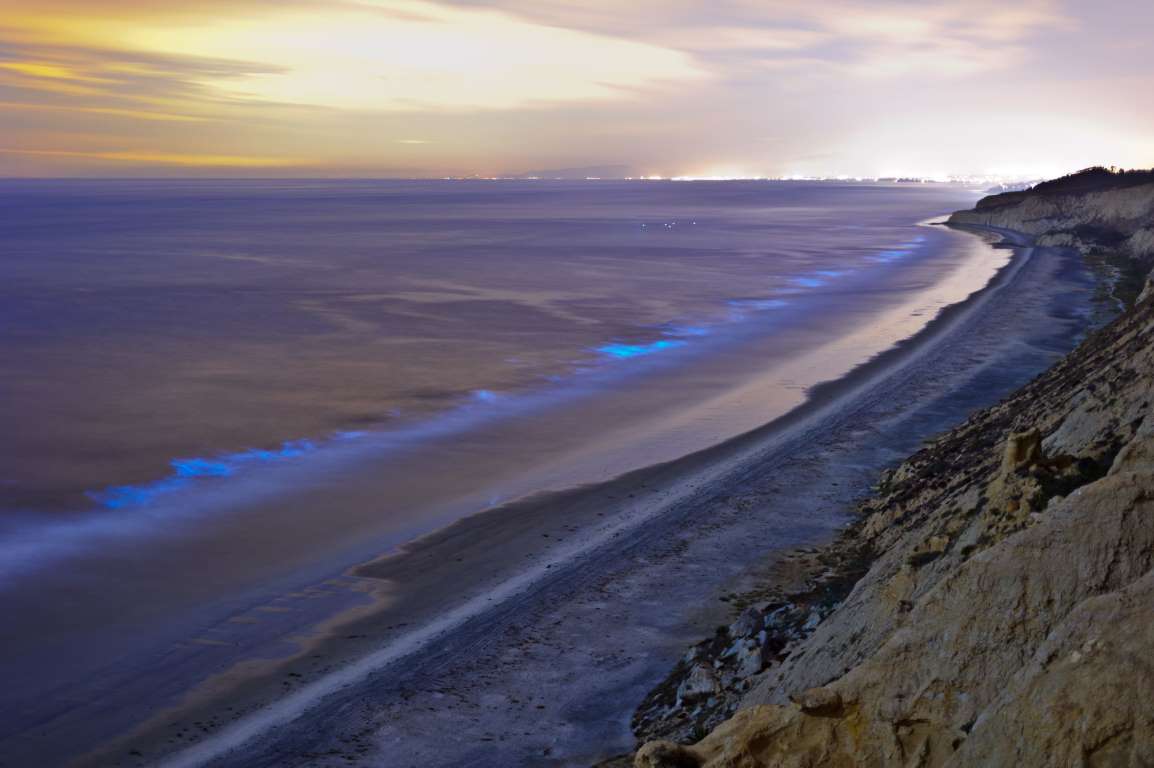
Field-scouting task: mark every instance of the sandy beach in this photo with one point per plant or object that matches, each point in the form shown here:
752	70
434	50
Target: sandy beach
472	655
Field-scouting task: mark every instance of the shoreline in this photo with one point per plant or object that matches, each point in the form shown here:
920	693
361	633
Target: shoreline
687	480
163	622
1000	598
798	590
169	649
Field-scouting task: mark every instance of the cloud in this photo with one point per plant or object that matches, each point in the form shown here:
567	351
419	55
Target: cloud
953	38
175	58
869	38
664	86
128	84
162	158
132	114
392	55
750	38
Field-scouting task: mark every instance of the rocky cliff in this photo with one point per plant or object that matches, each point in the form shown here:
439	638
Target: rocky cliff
1100	212
1004	613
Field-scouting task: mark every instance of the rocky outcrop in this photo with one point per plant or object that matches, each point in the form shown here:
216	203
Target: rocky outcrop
1006	617
806	587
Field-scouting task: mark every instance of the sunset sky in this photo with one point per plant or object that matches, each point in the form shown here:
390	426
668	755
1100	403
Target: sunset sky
496	87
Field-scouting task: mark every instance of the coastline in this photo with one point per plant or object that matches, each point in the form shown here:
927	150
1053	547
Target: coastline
999	598
244	567
658	532
791	597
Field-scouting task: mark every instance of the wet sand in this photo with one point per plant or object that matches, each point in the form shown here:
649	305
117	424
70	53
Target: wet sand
523	635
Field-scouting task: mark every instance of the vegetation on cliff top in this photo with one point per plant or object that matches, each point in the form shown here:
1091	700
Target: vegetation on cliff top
1096	179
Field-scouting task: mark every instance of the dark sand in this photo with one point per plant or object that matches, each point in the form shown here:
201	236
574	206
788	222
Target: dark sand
527	635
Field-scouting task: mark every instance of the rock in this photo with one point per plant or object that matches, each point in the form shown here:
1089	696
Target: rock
776	615
951	686
1026	482
665	754
693	654
823	702
1138	454
1105	633
1148	288
933	548
749	660
1023	450
748	624
700	683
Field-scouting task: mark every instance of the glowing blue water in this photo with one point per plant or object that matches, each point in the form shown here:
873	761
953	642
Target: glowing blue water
185	471
260	313
620	351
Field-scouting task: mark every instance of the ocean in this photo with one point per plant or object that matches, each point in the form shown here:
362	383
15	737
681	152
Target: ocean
213	390
159	331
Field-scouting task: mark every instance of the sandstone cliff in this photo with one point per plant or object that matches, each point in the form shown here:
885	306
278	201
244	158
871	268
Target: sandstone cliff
1007	613
1097	211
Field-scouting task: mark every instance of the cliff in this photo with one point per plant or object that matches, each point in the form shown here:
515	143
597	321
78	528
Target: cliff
995	604
1100	212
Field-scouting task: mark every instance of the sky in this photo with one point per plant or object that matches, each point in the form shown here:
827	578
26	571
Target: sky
673	88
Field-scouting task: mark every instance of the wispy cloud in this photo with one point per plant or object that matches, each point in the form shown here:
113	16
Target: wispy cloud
162	158
131	84
399	55
131	114
954	38
865	37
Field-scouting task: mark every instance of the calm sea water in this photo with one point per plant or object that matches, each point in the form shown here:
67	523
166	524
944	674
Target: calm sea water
155	332
214	395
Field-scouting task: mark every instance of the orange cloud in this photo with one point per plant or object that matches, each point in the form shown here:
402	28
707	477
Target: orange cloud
134	114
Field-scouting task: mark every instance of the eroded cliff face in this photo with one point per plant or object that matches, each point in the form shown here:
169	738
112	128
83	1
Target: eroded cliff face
1007	615
1117	219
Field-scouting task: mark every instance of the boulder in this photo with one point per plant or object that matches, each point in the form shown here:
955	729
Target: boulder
819	701
700	683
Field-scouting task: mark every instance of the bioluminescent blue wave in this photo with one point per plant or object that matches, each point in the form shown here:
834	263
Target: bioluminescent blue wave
903	250
624	351
629	258
185	471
